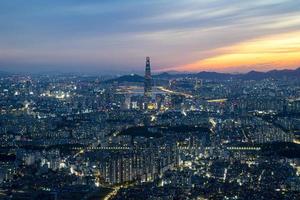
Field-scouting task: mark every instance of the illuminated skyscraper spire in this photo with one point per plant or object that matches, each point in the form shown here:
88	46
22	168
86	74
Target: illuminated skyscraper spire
148	79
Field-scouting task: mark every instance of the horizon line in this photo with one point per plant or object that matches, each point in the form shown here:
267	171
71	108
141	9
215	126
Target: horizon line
127	72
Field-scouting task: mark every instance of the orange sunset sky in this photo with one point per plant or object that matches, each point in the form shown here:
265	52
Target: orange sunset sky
280	51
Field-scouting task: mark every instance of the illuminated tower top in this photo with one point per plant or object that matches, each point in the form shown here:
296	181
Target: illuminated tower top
148	79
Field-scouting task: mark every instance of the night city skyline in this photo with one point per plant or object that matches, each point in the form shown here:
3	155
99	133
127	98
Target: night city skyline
149	100
110	37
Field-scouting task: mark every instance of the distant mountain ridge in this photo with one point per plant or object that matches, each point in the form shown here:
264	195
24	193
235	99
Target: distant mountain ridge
277	74
252	75
132	78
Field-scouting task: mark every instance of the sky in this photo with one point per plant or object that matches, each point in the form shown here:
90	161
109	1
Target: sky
115	36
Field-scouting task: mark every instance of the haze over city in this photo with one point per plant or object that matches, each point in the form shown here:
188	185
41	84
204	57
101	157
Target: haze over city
114	36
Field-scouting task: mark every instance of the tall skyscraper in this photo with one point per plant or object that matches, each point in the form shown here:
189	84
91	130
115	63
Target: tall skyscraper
148	79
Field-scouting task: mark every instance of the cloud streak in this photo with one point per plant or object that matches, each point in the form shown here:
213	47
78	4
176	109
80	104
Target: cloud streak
119	34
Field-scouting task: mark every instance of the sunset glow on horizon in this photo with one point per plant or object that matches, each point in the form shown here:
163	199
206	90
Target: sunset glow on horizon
280	51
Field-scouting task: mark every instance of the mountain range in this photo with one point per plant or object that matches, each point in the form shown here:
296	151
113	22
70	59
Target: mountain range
252	75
